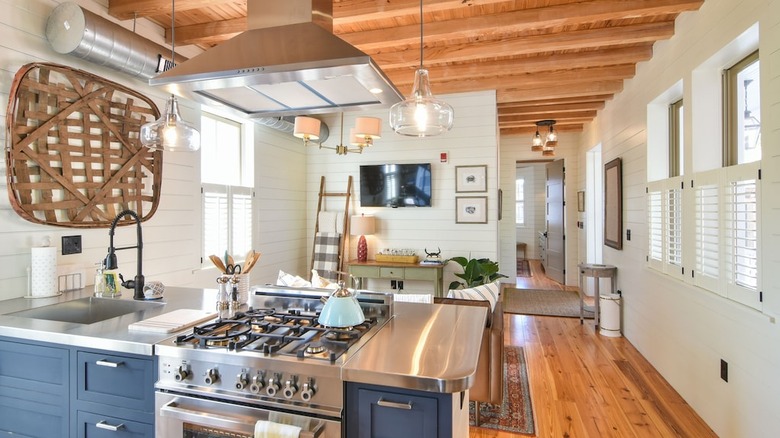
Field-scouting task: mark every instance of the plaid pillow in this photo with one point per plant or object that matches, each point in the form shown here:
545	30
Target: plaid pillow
485	292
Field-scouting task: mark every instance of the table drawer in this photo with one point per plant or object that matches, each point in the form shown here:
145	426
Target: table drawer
391	273
364	271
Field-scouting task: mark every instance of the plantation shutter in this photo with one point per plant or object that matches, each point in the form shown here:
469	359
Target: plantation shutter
707	230
242	220
673	227
215	219
740	207
655	232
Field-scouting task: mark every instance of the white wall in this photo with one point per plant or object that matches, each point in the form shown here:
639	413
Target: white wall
172	242
685	331
472	141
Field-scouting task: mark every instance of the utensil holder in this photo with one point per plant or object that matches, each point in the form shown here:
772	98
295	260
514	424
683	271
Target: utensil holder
242	286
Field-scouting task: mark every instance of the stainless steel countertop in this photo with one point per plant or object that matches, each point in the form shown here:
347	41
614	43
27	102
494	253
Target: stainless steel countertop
428	347
111	334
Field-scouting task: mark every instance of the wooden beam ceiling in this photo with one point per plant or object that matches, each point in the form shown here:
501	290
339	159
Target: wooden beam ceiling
546	59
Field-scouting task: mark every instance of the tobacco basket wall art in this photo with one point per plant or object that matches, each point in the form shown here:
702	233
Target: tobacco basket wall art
73	154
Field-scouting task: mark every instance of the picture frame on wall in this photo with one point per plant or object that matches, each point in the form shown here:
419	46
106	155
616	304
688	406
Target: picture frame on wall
471	210
471	178
613	204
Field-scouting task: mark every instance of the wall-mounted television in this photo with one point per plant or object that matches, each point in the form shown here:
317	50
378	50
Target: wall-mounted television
395	185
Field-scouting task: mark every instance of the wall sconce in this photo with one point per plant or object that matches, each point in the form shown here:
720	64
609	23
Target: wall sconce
361	226
307	128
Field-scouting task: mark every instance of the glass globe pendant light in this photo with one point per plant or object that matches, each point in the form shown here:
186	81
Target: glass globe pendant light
170	132
421	114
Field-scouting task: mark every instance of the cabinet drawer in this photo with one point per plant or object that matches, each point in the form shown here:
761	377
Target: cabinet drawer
102	426
121	381
364	271
420	274
391	273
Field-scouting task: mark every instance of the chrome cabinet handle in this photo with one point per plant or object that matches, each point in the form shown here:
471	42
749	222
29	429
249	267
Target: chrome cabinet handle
108	363
102	424
395	405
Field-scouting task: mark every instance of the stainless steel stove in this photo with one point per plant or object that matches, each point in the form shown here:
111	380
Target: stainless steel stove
270	362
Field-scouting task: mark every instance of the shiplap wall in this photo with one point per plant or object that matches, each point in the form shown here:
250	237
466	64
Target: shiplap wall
685	331
172	242
471	141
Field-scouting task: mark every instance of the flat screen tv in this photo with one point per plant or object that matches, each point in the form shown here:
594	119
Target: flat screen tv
395	185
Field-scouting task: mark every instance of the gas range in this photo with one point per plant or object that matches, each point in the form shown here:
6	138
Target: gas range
274	355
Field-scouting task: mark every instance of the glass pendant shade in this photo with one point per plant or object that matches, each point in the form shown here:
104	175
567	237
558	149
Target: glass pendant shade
536	146
170	132
421	115
307	128
552	138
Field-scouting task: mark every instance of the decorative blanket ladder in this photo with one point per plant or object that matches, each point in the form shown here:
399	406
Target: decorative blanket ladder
328	248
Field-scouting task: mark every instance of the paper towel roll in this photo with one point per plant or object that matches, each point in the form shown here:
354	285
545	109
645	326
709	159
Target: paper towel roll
43	272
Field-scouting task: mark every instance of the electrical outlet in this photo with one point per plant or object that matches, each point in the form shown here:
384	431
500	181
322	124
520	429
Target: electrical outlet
724	370
400	285
393	284
71	245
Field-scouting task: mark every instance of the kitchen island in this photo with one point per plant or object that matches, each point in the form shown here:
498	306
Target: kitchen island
430	350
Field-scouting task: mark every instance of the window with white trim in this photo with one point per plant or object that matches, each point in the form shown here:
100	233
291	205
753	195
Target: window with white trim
520	201
227	188
742	111
676	138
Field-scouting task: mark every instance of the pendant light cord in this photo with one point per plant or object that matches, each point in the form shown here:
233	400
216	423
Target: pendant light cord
421	34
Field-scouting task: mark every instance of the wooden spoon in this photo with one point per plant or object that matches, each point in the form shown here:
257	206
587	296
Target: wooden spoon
251	264
218	263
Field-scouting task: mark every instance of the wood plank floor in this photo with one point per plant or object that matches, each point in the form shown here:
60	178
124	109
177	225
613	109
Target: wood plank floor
588	385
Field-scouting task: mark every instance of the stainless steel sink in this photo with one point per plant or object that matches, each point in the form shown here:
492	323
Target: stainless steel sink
86	310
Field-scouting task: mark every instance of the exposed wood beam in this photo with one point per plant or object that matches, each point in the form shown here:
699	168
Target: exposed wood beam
531	130
576	40
523	20
557	101
207	33
565	90
548	80
565	108
128	9
534	64
558	123
355	11
535	117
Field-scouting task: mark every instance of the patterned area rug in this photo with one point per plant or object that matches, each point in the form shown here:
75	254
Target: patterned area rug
515	413
545	302
523	268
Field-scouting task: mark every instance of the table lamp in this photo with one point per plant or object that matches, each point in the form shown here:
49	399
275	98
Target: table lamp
361	226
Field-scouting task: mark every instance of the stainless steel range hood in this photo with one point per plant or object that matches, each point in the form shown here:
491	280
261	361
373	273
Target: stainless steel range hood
288	63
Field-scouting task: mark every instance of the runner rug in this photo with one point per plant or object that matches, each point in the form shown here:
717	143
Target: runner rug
515	413
544	302
523	268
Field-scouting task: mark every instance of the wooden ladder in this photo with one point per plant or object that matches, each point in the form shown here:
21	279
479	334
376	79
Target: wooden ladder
343	243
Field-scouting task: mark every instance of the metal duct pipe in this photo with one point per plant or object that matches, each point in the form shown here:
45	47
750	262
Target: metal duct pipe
73	30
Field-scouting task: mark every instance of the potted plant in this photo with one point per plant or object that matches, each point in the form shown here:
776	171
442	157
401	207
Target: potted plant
476	272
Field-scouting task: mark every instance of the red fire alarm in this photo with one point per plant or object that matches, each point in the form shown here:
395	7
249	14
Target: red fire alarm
443	157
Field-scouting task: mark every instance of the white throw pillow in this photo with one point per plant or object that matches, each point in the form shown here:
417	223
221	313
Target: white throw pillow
285	279
486	292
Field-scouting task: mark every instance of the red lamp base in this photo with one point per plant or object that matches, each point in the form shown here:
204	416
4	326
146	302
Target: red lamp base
362	249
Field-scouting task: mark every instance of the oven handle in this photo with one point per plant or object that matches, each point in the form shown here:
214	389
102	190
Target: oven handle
171	409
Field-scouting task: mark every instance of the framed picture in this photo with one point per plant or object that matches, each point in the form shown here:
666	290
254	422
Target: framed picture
471	178
581	201
471	210
613	204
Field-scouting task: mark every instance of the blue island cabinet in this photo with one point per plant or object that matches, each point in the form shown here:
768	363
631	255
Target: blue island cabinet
374	411
52	390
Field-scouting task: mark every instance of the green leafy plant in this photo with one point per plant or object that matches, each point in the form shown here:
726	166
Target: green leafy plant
476	272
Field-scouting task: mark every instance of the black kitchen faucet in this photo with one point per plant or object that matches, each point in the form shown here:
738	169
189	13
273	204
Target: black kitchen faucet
137	284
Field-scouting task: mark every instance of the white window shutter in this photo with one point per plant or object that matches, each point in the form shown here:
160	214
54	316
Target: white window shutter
241	220
655	231
215	219
707	228
741	209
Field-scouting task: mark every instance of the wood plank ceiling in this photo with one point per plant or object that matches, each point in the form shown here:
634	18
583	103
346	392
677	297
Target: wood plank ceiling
546	59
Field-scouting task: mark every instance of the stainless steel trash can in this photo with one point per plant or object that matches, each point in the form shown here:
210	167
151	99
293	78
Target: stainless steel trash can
610	315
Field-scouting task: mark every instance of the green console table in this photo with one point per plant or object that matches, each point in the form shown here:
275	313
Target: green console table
398	271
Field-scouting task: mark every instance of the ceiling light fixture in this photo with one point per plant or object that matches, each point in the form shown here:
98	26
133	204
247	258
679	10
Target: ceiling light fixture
421	114
367	128
307	128
342	149
547	144
170	132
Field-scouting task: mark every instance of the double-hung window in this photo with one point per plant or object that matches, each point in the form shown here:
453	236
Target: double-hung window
227	188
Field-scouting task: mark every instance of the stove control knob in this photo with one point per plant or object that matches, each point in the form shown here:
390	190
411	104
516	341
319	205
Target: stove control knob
272	387
257	383
307	392
290	388
212	376
181	373
242	380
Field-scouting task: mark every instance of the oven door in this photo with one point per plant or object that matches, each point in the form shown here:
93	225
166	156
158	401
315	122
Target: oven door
191	417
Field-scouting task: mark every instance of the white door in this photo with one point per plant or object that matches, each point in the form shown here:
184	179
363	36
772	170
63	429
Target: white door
555	267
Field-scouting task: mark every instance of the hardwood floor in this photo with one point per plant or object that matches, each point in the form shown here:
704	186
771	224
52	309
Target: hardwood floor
587	385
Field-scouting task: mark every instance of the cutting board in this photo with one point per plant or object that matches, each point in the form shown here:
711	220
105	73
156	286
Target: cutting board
172	321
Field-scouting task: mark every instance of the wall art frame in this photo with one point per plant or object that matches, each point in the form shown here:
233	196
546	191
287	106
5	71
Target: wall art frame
471	210
613	204
471	179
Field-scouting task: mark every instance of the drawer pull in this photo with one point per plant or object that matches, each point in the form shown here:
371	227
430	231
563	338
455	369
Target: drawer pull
388	404
102	424
108	363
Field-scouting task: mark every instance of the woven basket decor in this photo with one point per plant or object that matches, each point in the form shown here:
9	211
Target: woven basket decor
73	154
